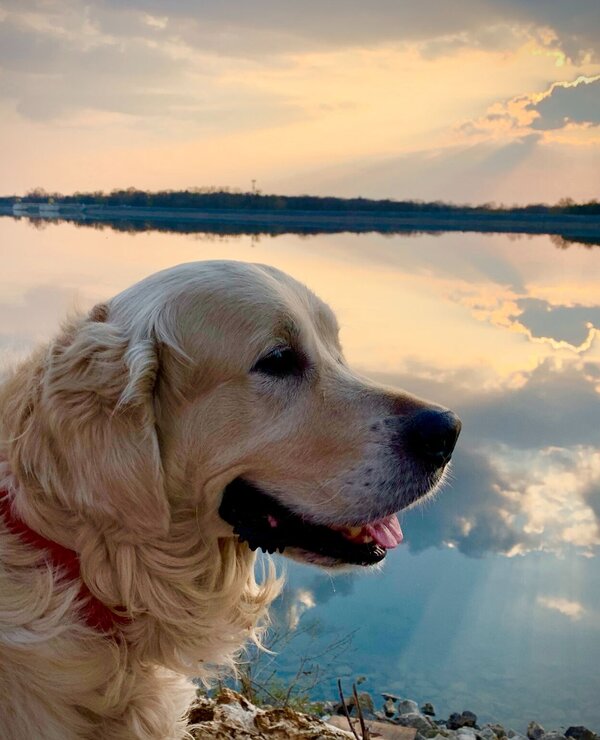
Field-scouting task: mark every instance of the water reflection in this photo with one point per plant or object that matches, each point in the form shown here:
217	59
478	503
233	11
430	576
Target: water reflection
215	229
494	602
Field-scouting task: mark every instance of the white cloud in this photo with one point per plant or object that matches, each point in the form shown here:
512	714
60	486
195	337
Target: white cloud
301	600
563	104
574	610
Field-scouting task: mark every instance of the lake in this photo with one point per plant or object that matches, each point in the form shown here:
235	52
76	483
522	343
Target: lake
492	603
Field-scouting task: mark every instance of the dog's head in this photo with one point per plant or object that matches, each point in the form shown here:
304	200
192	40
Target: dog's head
221	388
203	413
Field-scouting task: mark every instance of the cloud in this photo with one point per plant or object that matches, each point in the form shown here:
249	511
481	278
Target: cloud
472	514
501	501
48	73
299	601
526	472
574	610
51	71
575	326
565	103
263	26
278	26
557	406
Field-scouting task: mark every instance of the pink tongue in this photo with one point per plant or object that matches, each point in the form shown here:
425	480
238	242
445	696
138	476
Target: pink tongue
386	532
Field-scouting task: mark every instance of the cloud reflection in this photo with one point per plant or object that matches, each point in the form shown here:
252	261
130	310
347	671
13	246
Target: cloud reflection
574	610
574	326
526	474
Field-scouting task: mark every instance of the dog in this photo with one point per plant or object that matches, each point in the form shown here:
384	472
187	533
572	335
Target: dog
146	453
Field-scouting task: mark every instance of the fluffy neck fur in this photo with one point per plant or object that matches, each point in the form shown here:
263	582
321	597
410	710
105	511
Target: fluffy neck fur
193	599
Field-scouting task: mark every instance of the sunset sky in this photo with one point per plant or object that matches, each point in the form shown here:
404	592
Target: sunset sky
470	100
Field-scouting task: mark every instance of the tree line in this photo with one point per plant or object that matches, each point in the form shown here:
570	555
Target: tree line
224	198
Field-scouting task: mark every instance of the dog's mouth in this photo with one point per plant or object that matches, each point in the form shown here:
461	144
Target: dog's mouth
261	521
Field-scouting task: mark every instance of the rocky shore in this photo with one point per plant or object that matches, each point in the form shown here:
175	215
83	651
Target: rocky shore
230	715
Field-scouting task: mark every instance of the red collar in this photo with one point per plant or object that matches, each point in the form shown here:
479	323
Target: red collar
94	613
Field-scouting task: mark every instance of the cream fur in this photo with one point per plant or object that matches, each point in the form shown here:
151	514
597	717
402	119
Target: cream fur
117	439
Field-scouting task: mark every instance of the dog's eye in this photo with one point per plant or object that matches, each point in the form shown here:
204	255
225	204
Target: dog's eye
280	363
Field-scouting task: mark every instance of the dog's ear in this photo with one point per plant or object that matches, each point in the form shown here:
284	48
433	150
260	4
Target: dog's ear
97	395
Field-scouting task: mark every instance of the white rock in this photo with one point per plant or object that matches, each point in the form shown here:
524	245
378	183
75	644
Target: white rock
236	715
233	716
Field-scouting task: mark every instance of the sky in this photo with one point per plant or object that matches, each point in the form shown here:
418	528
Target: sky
469	101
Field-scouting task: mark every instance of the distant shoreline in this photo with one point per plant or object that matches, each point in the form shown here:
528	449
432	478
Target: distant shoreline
320	221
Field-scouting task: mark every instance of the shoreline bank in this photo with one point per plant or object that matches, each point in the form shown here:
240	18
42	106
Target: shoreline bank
229	714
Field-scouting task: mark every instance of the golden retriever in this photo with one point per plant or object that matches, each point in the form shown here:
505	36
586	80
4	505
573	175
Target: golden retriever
145	454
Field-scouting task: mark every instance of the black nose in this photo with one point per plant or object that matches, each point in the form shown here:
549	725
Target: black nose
432	435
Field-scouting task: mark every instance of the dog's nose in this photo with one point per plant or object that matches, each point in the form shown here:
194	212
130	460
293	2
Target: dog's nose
432	435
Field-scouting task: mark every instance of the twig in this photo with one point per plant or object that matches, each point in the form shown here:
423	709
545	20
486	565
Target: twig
363	728
266	691
346	712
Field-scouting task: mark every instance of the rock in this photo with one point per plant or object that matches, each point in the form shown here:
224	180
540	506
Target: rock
230	715
365	701
453	721
515	735
469	718
203	710
379	730
408	706
487	733
466	719
553	735
534	731
579	732
391	697
429	711
418	721
389	708
366	704
498	729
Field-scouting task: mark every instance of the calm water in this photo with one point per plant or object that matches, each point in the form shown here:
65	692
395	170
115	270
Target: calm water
493	601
